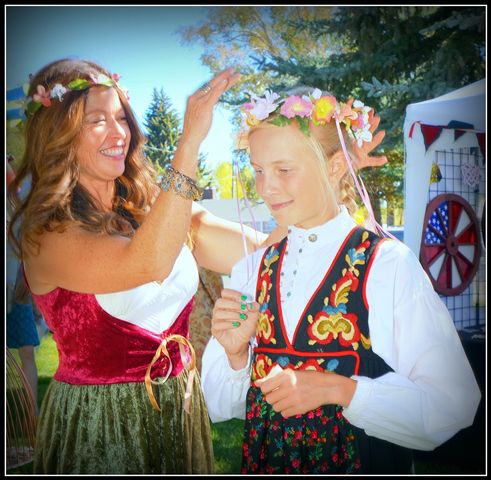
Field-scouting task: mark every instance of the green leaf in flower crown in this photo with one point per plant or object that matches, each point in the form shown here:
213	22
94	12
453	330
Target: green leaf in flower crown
303	123
32	107
280	121
78	84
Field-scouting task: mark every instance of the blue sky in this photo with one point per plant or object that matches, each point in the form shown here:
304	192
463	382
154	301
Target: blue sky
139	43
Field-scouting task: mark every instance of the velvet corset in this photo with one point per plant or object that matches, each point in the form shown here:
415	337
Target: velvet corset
96	348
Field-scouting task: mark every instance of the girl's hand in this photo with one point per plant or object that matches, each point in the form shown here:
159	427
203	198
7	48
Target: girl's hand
294	392
233	324
199	109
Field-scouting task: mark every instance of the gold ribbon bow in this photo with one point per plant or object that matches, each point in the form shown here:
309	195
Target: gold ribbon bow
191	367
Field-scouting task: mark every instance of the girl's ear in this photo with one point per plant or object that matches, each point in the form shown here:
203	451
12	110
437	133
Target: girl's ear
337	166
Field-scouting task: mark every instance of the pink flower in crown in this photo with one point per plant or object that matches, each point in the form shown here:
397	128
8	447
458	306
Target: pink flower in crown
357	123
346	113
42	96
115	77
295	105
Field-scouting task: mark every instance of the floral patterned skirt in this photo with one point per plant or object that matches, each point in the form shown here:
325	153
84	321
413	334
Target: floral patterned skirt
320	441
112	429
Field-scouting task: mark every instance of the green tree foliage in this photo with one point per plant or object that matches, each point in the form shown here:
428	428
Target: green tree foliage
247	38
163	127
387	57
394	56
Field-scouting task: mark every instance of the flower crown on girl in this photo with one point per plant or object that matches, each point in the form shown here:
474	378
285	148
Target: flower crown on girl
316	107
319	109
44	96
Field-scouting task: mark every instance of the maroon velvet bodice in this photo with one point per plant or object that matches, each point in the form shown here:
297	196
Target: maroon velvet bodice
96	348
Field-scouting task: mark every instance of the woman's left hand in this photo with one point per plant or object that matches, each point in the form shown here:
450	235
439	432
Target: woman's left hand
199	108
294	392
363	157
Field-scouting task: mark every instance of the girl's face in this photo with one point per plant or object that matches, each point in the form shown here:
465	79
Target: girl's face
105	137
288	177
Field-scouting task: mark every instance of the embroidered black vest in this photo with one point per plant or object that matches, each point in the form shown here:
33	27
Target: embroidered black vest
332	335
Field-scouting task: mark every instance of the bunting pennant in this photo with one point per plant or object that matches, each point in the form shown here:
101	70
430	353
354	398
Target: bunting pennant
458	134
430	134
460	125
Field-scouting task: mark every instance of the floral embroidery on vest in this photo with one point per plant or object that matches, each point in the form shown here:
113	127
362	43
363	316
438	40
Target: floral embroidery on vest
265	327
327	339
333	321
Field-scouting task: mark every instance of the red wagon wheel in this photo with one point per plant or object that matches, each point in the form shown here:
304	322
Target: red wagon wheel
450	247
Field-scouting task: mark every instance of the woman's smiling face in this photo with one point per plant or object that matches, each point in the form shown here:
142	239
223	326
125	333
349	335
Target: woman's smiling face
105	137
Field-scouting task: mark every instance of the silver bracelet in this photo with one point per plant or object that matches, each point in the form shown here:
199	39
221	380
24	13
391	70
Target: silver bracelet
181	184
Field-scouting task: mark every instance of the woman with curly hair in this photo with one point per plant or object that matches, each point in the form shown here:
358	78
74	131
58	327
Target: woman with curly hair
110	257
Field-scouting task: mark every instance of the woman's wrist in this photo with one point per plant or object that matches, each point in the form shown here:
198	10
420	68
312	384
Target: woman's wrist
186	158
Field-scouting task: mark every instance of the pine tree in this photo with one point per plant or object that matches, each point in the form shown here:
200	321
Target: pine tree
162	124
163	131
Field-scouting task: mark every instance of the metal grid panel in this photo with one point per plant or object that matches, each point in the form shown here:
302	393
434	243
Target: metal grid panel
468	309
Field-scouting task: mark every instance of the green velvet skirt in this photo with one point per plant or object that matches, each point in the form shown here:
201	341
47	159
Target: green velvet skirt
113	429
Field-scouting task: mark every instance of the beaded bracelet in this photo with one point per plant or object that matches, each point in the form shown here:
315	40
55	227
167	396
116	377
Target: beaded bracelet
183	185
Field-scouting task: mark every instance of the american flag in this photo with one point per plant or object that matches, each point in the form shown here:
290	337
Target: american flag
439	222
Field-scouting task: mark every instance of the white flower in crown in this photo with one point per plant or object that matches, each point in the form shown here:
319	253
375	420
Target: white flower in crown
316	94
101	79
363	135
259	108
58	91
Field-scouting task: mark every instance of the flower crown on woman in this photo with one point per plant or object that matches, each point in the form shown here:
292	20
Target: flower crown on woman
44	96
314	107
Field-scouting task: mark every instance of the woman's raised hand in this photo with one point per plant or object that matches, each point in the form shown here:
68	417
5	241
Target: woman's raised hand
199	109
234	321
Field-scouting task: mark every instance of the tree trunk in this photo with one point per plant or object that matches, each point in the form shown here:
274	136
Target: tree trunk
390	216
376	210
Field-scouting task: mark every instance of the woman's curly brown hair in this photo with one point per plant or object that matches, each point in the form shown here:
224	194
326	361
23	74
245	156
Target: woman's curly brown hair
56	198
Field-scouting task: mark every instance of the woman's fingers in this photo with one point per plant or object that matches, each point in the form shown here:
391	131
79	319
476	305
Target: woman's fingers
212	90
374	121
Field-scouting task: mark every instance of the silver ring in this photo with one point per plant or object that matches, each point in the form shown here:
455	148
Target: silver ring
205	88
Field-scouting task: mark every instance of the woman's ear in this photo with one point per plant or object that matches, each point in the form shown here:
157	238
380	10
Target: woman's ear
337	166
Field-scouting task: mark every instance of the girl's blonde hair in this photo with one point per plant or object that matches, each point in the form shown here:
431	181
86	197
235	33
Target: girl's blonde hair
324	141
56	198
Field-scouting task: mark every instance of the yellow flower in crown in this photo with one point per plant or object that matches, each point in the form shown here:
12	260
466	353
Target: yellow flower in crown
324	109
315	107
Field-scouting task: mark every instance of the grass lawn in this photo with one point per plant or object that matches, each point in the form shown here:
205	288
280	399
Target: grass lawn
227	436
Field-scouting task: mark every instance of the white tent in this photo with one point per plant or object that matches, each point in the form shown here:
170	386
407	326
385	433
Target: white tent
466	105
445	186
